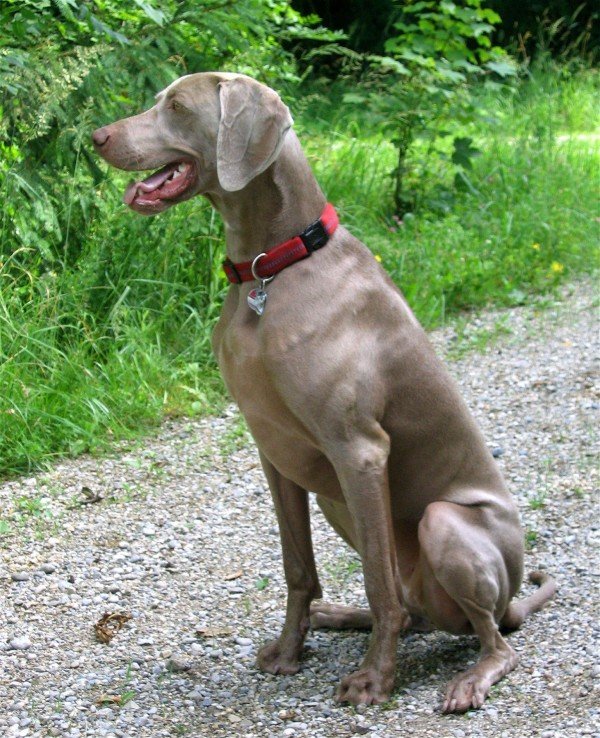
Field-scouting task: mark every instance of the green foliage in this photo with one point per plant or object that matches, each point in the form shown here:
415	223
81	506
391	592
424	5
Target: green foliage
526	220
425	84
564	28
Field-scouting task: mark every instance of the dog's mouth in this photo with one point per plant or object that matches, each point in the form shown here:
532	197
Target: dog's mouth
165	187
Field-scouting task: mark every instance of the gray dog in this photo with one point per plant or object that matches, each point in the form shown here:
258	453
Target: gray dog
341	390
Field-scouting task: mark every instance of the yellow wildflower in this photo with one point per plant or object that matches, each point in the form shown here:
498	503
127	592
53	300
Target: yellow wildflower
378	258
557	268
536	246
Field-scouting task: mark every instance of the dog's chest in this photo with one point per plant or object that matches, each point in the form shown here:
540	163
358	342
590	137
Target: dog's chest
278	432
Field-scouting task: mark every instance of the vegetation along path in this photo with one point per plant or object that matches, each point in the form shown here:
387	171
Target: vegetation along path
179	533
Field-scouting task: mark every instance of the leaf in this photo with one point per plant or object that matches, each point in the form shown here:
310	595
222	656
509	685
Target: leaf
479	28
109	699
387	62
450	74
214	631
464	151
505	68
262	584
490	15
354	97
154	14
448	7
416	7
423	61
110	624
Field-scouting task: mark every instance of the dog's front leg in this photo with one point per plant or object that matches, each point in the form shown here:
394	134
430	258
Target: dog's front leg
291	505
362	471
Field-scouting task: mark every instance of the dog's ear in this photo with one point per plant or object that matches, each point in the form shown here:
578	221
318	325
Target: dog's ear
252	127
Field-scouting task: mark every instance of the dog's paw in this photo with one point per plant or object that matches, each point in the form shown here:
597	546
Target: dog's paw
365	687
465	692
469	689
274	659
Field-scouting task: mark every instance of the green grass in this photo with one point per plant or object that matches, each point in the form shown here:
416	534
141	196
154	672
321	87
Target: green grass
104	348
526	220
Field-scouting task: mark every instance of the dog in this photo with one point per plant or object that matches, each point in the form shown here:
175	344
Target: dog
341	390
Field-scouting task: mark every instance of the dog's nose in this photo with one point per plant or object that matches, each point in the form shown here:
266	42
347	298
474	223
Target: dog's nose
100	136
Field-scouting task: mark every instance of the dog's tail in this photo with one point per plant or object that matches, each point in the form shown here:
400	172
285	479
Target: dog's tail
518	611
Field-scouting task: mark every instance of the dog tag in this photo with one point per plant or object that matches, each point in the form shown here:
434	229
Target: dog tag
257	299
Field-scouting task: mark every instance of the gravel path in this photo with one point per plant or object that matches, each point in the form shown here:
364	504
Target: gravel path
179	532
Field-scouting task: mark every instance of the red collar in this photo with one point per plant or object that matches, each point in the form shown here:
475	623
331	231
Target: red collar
287	253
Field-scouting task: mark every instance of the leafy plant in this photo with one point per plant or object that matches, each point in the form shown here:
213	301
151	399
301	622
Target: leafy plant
262	583
424	85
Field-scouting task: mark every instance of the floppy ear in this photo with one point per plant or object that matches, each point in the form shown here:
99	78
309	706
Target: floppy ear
252	127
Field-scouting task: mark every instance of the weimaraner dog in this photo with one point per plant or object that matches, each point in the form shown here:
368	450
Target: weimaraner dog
341	390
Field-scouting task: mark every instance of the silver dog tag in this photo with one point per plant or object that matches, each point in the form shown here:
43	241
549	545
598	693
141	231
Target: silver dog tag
257	299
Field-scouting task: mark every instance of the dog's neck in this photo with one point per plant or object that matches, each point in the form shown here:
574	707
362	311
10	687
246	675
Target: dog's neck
277	205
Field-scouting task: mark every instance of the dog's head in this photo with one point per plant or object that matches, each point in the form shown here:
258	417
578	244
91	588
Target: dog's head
207	132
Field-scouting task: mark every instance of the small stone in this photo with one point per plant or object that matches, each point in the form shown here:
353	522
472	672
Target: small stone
20	576
176	664
21	643
48	568
497	452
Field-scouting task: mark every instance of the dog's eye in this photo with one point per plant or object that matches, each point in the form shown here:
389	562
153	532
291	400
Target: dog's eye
174	105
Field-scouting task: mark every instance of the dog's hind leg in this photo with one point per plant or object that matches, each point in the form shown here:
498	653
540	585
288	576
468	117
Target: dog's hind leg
339	617
467	588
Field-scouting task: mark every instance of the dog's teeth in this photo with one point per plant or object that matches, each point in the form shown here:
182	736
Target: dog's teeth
181	167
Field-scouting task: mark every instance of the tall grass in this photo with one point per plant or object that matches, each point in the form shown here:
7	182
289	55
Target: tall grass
521	221
100	352
100	348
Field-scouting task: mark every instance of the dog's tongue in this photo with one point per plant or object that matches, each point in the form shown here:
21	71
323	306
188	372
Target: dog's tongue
150	185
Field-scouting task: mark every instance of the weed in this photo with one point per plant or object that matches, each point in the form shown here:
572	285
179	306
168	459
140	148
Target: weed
235	437
262	583
469	338
343	568
126	696
31	507
531	537
247	604
5	527
538	501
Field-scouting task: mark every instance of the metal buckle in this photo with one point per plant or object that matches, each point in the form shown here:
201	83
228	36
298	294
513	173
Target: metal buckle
314	236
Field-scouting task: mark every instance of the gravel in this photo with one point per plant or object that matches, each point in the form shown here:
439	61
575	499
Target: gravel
179	532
